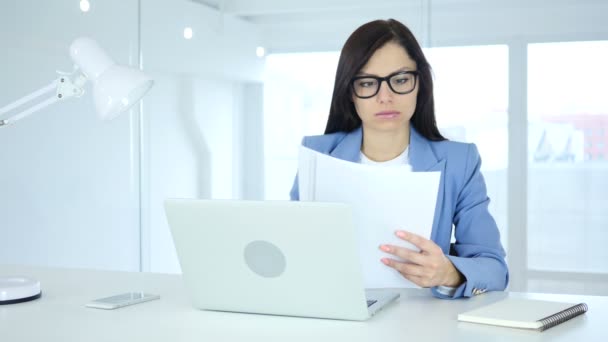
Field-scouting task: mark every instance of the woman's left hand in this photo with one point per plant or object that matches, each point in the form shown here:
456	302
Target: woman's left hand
427	268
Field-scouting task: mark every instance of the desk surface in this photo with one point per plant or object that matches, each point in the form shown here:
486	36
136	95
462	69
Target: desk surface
60	315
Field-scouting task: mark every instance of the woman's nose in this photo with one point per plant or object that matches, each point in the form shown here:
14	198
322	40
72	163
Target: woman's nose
385	93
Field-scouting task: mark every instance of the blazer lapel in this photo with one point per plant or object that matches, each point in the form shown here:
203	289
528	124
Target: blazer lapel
422	156
350	147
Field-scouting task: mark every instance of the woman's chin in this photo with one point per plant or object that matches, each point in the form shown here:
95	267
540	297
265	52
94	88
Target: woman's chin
388	126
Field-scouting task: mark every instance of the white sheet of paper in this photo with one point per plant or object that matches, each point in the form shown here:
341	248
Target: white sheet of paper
383	199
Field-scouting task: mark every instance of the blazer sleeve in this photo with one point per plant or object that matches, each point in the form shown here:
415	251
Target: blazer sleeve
477	253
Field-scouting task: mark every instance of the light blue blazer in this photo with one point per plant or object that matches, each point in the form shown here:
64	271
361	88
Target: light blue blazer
462	203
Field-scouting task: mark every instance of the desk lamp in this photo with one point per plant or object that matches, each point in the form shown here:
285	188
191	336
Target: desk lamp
116	89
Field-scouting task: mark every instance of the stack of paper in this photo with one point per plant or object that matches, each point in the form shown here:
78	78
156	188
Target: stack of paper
384	199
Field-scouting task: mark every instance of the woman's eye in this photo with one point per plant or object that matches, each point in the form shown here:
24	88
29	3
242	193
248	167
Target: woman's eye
367	84
401	80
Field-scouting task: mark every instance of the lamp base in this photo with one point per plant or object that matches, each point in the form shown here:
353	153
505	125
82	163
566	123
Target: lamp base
15	290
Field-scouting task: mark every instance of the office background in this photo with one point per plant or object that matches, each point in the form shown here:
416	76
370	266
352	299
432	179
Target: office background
525	80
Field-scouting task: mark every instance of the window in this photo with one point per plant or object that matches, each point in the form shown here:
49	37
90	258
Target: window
471	101
471	95
567	147
567	175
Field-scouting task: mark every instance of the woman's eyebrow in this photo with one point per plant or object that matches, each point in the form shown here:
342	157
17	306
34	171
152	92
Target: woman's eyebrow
398	70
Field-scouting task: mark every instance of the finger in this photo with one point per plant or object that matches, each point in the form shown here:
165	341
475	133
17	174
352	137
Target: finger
423	244
414	273
404	268
405	254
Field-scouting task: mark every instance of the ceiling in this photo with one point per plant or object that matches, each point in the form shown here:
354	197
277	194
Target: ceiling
260	10
322	25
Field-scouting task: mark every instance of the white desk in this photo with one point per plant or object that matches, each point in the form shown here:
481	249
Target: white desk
60	315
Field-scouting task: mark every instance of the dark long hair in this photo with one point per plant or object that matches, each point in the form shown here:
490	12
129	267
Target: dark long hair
356	52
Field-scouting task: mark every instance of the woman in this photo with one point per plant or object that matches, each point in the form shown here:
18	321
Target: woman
382	112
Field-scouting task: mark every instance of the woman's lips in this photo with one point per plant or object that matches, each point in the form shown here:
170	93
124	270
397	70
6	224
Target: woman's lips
389	114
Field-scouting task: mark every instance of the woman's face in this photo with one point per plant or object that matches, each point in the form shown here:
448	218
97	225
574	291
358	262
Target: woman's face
387	111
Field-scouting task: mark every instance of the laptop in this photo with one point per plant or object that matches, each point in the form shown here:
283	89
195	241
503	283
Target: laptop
272	257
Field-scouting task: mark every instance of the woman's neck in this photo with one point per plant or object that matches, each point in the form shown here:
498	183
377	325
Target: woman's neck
382	146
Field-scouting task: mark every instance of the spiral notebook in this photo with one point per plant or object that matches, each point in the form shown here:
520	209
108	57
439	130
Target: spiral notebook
524	313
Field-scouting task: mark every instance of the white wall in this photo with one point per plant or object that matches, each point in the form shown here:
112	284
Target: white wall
194	137
68	187
71	186
197	144
189	145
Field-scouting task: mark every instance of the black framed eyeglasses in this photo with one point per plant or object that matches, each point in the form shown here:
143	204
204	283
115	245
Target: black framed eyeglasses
402	82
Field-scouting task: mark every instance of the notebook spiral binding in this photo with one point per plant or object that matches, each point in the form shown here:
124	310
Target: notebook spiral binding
563	316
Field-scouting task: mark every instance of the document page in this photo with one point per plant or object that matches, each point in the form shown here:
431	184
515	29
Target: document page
383	199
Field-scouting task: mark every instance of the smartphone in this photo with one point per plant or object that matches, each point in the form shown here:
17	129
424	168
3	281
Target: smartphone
123	299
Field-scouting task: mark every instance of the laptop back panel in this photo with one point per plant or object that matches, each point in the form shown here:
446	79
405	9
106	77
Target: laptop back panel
272	257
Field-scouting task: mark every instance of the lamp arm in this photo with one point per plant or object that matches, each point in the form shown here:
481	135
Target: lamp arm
29	97
29	111
64	88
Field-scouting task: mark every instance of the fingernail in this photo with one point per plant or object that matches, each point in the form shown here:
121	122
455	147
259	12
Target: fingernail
385	248
400	233
384	261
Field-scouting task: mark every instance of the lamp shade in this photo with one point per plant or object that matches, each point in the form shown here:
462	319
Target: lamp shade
116	88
